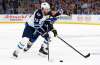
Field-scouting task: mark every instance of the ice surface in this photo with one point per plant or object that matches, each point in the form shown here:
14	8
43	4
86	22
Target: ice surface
85	38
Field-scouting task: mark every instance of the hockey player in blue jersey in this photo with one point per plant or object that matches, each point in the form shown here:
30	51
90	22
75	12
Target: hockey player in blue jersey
38	24
49	22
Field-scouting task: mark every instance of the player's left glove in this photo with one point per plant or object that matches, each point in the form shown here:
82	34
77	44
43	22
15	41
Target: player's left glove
54	32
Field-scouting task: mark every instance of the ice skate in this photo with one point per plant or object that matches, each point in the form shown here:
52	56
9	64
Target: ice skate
43	52
15	54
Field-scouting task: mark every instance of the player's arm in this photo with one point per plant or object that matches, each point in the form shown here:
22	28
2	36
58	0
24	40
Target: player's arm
53	16
51	27
31	18
53	30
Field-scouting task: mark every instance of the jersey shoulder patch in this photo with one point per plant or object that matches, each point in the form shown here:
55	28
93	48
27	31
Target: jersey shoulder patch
39	14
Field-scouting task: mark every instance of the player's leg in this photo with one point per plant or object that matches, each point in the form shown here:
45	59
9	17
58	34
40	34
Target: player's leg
20	46
25	42
28	46
24	45
32	40
44	46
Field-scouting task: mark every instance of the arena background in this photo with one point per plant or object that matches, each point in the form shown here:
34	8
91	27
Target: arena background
80	11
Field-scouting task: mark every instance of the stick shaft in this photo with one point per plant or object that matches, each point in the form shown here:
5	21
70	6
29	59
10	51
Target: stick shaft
48	53
71	46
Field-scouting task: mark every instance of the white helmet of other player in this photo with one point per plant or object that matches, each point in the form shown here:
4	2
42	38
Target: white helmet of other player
45	5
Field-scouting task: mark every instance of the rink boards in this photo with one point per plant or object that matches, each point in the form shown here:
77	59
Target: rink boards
62	19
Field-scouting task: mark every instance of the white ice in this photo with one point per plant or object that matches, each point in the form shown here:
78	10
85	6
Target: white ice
85	38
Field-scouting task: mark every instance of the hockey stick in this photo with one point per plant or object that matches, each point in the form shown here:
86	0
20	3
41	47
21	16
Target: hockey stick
48	53
85	56
48	46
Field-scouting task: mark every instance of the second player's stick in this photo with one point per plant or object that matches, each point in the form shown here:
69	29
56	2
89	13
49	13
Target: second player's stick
85	56
48	46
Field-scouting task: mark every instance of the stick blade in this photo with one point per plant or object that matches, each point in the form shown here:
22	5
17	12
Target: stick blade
88	55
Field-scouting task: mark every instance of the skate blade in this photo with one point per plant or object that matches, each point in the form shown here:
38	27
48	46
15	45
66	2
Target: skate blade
13	57
42	55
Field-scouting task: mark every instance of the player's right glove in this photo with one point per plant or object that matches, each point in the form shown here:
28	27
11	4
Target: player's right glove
54	32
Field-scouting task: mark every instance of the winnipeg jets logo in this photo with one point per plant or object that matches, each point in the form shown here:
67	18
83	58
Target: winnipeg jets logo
38	14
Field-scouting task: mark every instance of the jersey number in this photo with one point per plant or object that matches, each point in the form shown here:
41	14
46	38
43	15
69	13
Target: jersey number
37	22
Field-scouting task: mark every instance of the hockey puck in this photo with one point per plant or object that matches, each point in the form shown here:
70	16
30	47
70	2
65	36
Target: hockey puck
61	61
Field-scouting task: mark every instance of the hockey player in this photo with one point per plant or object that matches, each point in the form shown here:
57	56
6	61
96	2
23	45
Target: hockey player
35	26
32	26
47	26
49	22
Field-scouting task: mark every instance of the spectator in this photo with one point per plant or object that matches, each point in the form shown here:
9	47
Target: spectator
67	6
1	7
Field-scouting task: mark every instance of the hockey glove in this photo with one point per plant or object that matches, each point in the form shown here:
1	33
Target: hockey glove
54	32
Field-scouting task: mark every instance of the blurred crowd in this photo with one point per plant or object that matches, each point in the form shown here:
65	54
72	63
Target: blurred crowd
66	6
